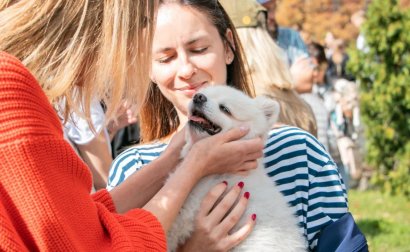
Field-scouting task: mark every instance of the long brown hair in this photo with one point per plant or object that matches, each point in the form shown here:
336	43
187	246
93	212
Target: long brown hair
82	50
158	118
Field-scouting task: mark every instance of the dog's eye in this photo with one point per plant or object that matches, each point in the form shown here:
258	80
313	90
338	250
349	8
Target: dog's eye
224	109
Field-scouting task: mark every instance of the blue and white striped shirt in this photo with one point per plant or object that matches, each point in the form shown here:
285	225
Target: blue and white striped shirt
294	160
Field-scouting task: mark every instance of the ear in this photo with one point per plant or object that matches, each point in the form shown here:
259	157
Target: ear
270	108
229	45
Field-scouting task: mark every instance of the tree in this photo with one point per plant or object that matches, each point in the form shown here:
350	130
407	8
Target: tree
320	16
384	75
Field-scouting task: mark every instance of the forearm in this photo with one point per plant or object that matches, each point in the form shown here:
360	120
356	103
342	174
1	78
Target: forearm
166	204
96	154
141	186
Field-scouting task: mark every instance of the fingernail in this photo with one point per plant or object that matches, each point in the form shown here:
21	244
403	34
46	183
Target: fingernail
244	128
246	195
253	217
241	184
226	183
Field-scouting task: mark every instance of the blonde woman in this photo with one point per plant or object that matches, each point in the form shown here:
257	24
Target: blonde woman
271	76
78	51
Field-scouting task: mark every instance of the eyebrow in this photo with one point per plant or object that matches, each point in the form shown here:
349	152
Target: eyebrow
190	42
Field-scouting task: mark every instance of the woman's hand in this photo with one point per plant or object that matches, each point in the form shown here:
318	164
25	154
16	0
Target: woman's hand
176	144
225	153
126	116
215	220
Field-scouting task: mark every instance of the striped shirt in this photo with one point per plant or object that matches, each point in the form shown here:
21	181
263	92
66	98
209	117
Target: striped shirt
294	160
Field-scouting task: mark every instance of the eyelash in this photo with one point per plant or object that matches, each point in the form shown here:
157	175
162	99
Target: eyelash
225	110
165	60
200	50
168	59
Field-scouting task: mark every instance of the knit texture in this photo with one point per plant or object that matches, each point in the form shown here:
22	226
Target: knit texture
45	202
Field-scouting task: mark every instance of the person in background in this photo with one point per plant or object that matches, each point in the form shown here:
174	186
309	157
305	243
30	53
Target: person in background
195	45
124	131
267	68
80	51
326	91
357	19
288	39
303	73
337	63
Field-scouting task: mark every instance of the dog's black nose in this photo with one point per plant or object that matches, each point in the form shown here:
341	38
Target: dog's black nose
199	99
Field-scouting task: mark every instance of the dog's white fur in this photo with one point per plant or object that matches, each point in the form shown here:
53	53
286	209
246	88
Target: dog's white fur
276	228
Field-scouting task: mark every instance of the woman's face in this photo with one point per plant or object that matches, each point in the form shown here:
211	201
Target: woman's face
188	54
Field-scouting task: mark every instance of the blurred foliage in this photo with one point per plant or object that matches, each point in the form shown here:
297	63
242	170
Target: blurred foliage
383	71
320	16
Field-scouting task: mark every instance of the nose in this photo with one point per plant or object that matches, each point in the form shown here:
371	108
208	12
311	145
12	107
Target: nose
186	69
199	99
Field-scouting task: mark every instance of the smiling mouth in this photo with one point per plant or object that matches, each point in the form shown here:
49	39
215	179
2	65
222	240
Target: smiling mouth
194	87
199	121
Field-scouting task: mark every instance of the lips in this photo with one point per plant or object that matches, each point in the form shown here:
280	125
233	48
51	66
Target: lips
192	87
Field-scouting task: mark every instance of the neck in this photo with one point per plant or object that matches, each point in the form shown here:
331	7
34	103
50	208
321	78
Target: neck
183	119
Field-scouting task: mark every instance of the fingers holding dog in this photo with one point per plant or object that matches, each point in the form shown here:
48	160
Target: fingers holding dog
216	218
240	235
225	205
223	153
212	198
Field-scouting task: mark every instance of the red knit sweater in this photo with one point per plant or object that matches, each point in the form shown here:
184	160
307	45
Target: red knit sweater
44	187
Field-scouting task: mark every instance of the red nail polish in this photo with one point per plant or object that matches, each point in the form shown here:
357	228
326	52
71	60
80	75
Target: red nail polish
226	183
253	217
241	184
246	195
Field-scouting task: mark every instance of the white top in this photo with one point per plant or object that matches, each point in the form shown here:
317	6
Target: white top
77	128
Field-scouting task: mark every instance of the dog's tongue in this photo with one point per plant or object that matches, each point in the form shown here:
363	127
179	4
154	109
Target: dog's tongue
197	119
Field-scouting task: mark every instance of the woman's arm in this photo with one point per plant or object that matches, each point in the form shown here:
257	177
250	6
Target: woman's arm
218	154
96	154
144	184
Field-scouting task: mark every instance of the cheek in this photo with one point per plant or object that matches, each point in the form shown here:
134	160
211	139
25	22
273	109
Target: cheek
162	75
215	66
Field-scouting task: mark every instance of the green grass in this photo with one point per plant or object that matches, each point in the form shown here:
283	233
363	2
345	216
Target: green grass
384	219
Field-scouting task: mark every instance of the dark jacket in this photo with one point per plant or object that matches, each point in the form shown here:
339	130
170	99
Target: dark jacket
342	235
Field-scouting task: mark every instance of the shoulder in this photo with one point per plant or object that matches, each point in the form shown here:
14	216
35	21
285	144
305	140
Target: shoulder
291	147
289	34
132	160
290	136
287	31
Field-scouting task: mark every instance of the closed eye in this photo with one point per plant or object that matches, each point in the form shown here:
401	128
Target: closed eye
199	50
225	109
165	59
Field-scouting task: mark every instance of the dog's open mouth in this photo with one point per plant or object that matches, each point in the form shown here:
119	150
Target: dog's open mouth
199	121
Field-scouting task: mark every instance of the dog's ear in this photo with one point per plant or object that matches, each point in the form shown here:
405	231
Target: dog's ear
270	108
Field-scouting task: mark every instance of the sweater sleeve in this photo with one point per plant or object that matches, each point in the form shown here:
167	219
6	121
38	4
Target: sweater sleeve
45	187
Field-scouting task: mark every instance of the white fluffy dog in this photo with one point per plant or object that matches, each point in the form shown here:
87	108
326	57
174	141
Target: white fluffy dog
217	109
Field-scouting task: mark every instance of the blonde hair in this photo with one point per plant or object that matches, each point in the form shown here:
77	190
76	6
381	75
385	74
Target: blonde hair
82	50
271	76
